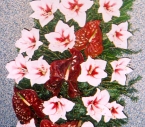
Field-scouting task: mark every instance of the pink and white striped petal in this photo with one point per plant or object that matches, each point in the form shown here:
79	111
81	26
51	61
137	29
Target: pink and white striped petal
76	10
57	107
62	39
44	10
92	71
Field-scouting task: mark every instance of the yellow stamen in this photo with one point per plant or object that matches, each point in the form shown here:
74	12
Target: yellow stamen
93	35
26	102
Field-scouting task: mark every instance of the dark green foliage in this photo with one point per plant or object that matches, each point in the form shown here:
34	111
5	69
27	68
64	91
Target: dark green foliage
43	93
110	53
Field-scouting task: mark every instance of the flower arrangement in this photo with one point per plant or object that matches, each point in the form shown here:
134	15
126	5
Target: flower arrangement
69	72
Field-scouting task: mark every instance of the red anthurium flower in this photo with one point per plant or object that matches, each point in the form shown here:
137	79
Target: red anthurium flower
48	123
65	70
27	105
89	38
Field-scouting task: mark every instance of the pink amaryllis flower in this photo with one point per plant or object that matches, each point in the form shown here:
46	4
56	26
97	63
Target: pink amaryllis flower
75	9
92	71
116	111
38	71
17	69
120	69
31	124
87	124
109	8
57	107
29	41
44	10
96	104
63	37
119	35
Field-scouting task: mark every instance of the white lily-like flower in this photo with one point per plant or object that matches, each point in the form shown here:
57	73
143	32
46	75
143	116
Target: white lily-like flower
120	69
96	104
75	9
119	35
17	69
31	124
29	42
87	124
44	10
92	71
63	37
116	111
38	71
109	8
57	107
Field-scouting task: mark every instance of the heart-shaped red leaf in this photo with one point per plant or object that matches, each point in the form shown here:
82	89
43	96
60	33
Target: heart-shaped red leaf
27	105
54	85
89	38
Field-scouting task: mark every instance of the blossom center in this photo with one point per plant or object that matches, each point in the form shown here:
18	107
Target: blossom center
57	106
75	6
33	42
42	71
64	40
113	110
118	34
109	6
47	11
118	70
23	69
92	71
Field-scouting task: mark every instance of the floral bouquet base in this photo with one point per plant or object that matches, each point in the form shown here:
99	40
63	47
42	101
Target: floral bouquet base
68	72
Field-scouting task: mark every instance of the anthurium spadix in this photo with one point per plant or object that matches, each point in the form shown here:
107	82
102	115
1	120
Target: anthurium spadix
119	35
63	37
76	10
38	71
109	8
29	41
116	111
120	70
44	10
96	104
17	69
92	71
57	107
